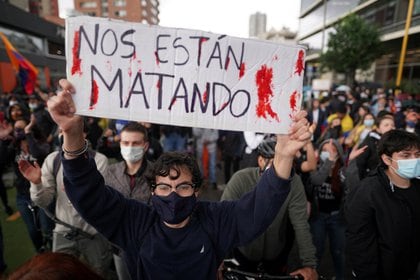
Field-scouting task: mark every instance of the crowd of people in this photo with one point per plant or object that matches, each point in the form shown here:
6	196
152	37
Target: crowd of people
349	172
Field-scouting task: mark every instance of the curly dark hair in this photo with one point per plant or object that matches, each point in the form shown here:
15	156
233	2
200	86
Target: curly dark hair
174	161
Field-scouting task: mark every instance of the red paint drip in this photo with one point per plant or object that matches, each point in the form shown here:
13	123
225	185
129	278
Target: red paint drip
224	106
242	70
75	69
158	84
94	95
173	102
293	100
299	63
205	96
227	63
263	79
157	58
130	71
134	55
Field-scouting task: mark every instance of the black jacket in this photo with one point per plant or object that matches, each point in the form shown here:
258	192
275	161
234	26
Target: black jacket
382	235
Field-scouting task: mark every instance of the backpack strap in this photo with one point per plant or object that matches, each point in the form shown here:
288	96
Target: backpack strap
57	161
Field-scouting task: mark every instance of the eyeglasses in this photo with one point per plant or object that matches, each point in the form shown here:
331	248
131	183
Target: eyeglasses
183	189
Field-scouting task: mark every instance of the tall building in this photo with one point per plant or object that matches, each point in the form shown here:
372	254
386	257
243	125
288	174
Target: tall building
317	18
145	11
47	9
257	24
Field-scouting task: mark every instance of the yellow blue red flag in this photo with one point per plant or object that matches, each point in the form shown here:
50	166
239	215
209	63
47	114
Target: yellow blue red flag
26	70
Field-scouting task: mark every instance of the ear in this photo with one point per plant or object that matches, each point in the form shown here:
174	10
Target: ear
261	161
146	146
386	160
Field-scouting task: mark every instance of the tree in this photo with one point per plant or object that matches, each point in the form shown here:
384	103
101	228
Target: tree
355	44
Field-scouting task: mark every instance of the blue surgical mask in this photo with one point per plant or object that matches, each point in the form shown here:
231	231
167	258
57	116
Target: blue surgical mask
174	208
411	124
408	168
324	155
368	122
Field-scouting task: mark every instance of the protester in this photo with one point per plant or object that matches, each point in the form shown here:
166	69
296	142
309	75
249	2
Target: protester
72	234
369	159
383	213
326	218
54	266
207	139
127	176
32	147
232	143
6	154
270	250
175	138
317	116
180	237
43	118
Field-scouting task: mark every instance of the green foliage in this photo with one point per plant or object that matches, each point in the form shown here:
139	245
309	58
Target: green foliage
354	45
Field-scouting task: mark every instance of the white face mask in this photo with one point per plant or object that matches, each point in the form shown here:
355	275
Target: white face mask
324	155
132	154
32	106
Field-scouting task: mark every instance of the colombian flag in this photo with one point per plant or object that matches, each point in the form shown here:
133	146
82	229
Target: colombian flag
26	70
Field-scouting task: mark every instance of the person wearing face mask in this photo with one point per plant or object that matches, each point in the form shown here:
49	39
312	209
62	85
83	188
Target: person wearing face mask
127	176
383	213
271	249
326	218
180	237
43	118
369	159
77	238
411	122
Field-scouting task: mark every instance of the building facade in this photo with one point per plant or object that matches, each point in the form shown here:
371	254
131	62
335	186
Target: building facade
40	41
318	17
145	11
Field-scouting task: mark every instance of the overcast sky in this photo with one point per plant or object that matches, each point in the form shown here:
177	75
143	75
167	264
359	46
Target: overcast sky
229	17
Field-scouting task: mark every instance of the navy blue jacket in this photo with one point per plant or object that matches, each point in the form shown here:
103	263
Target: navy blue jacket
154	251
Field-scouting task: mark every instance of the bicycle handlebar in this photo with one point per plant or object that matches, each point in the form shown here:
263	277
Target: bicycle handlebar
260	275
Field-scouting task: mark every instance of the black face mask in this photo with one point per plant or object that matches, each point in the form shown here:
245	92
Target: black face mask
19	134
174	208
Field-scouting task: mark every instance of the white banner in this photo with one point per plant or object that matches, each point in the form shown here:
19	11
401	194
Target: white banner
131	71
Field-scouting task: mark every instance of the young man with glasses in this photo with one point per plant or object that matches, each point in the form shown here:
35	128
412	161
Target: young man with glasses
179	238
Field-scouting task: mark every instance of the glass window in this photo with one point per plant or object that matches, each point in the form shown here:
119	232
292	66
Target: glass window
416	9
305	4
337	8
24	42
120	13
312	21
55	49
119	3
88	4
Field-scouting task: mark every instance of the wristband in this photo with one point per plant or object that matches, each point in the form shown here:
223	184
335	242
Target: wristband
78	152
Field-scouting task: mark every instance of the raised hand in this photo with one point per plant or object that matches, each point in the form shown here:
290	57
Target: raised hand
288	145
298	136
62	109
356	151
32	173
